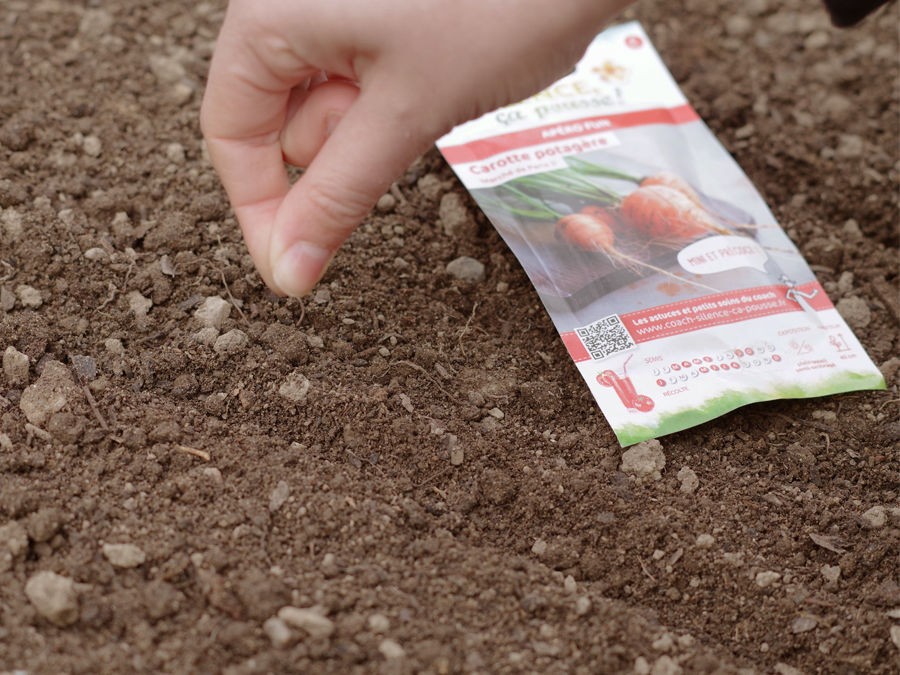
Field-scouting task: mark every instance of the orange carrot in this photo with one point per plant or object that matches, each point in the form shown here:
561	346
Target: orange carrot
676	182
665	213
594	232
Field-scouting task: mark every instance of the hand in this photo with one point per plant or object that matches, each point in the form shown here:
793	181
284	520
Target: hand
355	90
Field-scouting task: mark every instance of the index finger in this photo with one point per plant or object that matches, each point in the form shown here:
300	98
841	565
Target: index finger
243	112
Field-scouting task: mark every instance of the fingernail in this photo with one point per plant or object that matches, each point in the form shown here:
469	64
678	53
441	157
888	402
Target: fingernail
331	121
300	268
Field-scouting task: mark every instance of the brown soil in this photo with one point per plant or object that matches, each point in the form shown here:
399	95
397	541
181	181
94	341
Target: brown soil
346	499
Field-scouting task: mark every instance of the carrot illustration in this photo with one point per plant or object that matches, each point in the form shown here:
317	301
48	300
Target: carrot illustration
593	232
665	213
676	182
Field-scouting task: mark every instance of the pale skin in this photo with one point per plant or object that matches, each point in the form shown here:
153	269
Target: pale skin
354	91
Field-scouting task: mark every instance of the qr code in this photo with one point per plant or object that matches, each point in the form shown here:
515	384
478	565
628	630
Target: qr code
605	337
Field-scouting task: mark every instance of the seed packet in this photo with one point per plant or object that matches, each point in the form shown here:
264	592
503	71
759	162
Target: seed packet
676	293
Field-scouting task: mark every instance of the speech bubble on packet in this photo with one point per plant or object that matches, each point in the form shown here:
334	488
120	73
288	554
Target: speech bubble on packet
721	254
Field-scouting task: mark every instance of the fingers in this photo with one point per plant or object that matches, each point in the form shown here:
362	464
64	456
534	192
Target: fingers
315	115
370	146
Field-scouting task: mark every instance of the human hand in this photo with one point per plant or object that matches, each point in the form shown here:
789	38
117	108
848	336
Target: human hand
355	90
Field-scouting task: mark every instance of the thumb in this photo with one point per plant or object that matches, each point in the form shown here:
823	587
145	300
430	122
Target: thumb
374	142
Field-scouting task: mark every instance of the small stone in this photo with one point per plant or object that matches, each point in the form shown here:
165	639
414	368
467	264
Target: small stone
213	474
430	187
213	312
181	93
895	636
455	217
386	203
379	623
14	538
644	460
7	299
96	254
391	650
308	620
15	366
816	40
767	578
831	573
54	597
785	669
43	524
539	547
569	584
705	541
279	496
855	311
641	666
738	25
295	387
114	346
124	555
663	643
49	394
582	605
665	665
206	336
850	146
139	306
92	146
29	296
804	623
465	268
85	366
457	456
278	632
875	518
166	69
175	153
232	342
688	479
95	23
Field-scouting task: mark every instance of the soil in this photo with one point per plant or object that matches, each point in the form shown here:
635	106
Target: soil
412	456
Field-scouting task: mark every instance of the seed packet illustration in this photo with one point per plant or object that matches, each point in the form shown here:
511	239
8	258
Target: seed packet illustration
675	291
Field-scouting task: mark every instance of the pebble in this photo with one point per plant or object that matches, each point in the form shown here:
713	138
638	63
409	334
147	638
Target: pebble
391	649
705	541
29	296
804	623
139	306
875	518
850	146
279	496
895	636
54	597
44	523
309	620
379	623
231	342
124	555
166	69
644	460
49	394
663	643
206	336
455	217
569	584
465	268
766	579
457	456
294	388
831	573
95	23
278	632
641	666
738	25
96	254
14	537
785	669
688	479
665	665
175	153
92	146
539	547
114	346
582	605
855	311
213	474
386	203
7	299
430	187
213	312
13	224
816	40
15	366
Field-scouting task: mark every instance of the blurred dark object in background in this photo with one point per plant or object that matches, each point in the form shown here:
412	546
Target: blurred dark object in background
849	12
